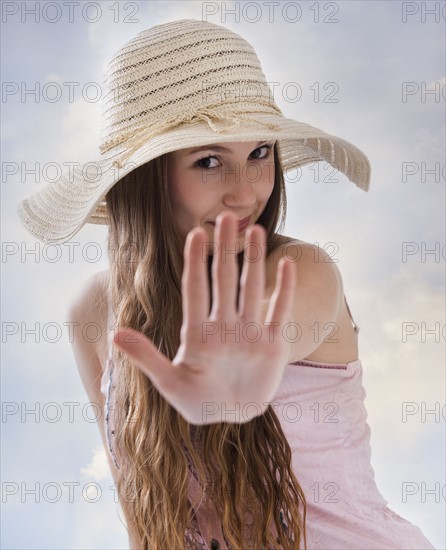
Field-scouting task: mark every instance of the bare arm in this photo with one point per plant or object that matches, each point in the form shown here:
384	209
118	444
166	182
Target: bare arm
84	309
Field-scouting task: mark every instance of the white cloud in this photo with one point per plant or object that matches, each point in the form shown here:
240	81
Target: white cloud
97	469
395	371
52	77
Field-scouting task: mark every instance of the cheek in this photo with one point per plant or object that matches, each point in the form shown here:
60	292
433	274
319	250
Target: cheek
177	197
189	200
178	190
188	197
265	180
265	187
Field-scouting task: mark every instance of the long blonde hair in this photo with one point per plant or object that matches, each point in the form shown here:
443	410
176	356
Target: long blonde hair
241	467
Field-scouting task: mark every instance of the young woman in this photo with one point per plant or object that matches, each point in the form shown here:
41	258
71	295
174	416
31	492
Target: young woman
228	366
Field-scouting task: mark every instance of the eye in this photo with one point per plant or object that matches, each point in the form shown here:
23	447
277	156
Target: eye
259	149
206	163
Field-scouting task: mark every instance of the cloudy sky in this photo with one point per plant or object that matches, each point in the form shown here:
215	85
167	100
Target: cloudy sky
379	68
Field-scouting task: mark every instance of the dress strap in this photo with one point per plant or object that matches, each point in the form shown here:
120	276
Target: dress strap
110	327
355	326
107	388
110	409
206	514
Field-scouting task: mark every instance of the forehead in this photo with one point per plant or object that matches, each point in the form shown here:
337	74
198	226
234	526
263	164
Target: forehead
232	147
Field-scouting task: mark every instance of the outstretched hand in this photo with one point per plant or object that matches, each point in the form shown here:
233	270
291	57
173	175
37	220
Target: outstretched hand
230	362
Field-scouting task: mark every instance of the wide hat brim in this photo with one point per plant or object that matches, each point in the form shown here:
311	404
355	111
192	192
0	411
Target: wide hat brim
59	210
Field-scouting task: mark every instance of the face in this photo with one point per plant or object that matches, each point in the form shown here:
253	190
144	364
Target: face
204	181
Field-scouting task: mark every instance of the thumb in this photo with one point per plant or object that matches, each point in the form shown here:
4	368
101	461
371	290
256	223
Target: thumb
143	353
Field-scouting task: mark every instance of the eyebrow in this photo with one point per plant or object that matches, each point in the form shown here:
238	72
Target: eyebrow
218	148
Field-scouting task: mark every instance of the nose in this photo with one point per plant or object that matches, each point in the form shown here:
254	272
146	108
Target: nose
240	189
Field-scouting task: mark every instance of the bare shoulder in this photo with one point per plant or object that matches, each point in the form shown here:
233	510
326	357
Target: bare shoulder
88	310
85	310
319	302
89	297
85	315
311	261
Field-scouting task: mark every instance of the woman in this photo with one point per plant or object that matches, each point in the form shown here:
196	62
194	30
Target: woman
228	403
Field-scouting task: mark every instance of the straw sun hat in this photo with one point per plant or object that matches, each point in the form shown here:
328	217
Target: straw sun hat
182	84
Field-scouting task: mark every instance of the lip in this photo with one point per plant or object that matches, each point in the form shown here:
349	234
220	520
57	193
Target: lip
242	224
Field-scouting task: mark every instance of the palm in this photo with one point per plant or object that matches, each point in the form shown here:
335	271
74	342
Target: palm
230	362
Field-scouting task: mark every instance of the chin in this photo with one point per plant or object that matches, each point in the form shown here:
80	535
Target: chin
239	241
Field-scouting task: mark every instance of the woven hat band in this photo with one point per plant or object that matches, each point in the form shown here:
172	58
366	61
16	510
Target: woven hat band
122	117
213	115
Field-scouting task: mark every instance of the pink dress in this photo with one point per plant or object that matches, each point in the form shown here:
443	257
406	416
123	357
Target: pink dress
321	409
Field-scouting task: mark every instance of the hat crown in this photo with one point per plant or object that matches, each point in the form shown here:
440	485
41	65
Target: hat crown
177	69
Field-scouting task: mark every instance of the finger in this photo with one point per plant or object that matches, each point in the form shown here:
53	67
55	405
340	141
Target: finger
143	353
283	296
224	267
194	283
252	284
